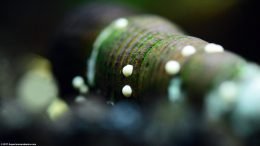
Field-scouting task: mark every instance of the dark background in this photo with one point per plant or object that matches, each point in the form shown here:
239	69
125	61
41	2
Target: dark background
29	25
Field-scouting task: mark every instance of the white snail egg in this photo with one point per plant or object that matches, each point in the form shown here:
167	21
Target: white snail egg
228	91
121	23
188	50
127	91
77	82
213	48
83	89
172	67
127	70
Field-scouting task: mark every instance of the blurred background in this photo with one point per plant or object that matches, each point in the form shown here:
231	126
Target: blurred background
29	25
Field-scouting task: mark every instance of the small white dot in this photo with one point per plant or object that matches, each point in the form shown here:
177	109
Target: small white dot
121	23
128	70
127	91
188	50
77	82
111	103
172	67
57	109
213	48
228	91
80	99
83	89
